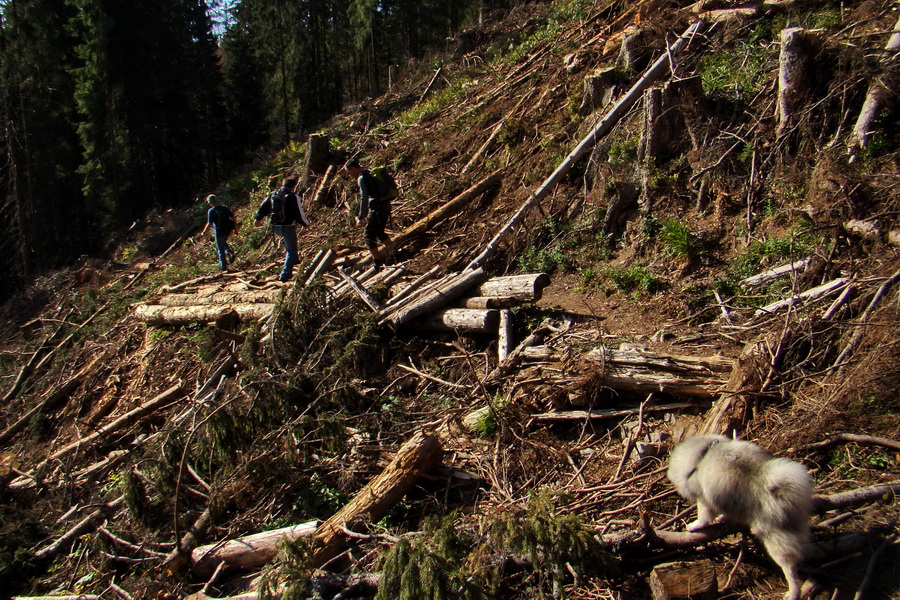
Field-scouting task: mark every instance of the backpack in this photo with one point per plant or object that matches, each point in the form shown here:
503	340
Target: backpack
386	186
227	221
277	199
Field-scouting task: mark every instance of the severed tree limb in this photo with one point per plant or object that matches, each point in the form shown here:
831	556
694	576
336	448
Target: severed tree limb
129	418
842	438
53	398
856	497
86	525
841	361
247	552
515	357
416	284
360	290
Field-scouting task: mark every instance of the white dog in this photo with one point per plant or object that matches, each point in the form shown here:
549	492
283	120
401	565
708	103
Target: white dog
748	486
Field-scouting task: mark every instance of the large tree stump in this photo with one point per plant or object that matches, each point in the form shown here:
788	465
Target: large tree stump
880	90
684	580
599	90
318	154
793	75
418	456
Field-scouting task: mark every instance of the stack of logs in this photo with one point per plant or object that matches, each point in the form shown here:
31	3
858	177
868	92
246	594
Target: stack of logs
421	303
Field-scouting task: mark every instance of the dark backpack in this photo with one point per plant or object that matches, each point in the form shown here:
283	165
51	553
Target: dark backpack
278	199
225	219
386	187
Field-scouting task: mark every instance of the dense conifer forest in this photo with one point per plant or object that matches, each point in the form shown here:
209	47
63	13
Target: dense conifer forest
112	107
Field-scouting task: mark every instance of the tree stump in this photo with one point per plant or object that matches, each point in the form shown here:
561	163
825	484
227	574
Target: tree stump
793	74
599	90
318	154
633	53
683	580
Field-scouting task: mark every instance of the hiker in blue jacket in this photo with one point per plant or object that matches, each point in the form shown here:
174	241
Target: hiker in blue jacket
285	210
374	211
222	220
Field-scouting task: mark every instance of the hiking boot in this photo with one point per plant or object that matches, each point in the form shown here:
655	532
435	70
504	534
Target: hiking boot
378	263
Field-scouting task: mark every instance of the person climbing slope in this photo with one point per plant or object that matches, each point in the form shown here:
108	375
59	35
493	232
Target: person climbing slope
374	209
284	208
222	220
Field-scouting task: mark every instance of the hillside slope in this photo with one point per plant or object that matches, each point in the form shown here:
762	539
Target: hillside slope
154	438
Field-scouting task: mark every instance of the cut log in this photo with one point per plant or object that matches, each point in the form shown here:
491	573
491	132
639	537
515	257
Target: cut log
504	336
179	557
248	552
170	395
489	302
732	409
418	456
318	153
684	581
770	275
155	314
435	299
601	414
247	297
446	209
793	75
655	71
469	320
528	288
486	146
821	291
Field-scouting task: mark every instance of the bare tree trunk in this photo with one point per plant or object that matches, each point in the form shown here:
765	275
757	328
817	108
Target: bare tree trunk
793	75
878	93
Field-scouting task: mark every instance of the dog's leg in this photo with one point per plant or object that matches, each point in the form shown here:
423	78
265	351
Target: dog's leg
705	516
785	548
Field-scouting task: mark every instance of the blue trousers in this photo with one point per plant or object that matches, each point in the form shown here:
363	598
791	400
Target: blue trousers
222	247
289	234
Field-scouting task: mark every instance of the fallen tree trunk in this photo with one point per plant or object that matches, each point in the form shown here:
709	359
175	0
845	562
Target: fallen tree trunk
323	265
170	395
600	414
418	456
155	314
247	297
504	335
446	209
469	320
360	290
247	552
646	372
412	287
522	287
655	71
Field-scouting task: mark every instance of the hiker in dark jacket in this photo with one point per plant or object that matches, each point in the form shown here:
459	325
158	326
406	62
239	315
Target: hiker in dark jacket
222	220
285	210
374	211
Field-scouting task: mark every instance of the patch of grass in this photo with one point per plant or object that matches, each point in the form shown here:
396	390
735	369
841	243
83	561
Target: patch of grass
678	240
633	278
772	249
547	260
438	101
742	71
623	151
